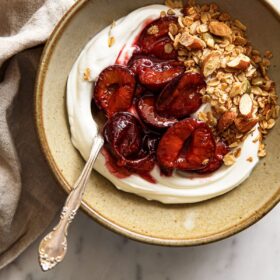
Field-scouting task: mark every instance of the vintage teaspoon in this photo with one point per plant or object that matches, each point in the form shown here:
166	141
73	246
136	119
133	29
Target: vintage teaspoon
53	246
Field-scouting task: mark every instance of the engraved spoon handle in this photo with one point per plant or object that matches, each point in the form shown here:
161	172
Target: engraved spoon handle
53	246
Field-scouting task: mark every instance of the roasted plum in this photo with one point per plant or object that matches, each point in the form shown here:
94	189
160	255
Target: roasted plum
141	165
147	103
163	49
181	97
217	160
199	151
114	89
153	73
123	133
154	38
173	141
188	145
111	164
146	110
139	90
151	142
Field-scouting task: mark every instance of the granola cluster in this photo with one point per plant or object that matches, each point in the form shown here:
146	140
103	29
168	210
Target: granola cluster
239	90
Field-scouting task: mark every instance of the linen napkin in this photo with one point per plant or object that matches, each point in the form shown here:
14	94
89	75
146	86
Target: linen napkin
29	195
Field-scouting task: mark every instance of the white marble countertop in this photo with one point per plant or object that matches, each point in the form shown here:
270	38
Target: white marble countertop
98	254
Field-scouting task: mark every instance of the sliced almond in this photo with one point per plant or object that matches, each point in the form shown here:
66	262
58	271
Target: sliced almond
245	105
211	63
244	124
192	42
226	120
241	62
208	39
220	29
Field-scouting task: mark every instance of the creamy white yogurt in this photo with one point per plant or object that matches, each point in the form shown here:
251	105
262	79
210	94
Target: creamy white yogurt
181	187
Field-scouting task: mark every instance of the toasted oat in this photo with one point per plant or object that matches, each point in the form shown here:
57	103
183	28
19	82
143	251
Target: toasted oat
111	41
173	29
258	81
271	123
205	162
240	25
224	17
250	159
186	21
163	14
168	48
237	86
239	40
194	26
153	30
209	40
86	75
229	159
203	28
171	12
237	152
262	151
268	54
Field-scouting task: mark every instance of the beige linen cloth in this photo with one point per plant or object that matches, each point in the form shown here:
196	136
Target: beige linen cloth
29	195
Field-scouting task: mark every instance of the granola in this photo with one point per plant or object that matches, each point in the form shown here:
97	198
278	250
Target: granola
239	89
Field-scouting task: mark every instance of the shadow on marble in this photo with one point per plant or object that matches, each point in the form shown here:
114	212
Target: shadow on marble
98	254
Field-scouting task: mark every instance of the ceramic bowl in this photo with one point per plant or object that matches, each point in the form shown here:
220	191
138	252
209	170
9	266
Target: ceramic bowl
132	216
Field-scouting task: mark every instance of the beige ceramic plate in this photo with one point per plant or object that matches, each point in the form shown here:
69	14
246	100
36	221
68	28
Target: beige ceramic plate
128	214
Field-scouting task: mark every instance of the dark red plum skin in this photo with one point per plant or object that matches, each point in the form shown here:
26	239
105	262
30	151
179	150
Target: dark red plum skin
153	73
181	97
148	104
199	151
146	110
217	160
123	133
154	44
188	145
114	89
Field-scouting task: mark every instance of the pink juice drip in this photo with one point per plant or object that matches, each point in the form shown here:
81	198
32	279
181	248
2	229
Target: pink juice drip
122	172
134	44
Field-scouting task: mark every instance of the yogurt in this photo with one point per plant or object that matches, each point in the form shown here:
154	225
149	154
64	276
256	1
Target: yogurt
181	187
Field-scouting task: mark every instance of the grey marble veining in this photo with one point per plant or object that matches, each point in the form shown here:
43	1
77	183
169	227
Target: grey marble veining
98	254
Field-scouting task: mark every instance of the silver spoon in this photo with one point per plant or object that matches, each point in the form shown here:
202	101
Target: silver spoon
53	246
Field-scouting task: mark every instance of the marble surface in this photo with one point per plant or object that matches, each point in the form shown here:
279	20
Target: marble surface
98	254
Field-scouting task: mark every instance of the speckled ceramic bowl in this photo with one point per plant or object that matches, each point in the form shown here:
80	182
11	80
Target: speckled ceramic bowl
132	216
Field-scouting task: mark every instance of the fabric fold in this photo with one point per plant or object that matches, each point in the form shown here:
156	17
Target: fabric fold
29	195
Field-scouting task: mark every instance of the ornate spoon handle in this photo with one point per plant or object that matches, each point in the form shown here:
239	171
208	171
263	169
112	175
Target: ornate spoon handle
53	246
